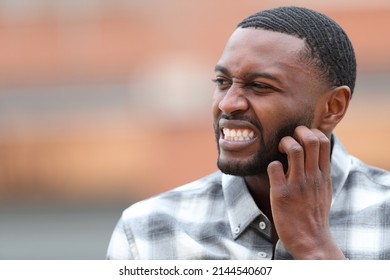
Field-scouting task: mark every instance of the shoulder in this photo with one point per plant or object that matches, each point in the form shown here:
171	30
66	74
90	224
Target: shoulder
154	227
360	210
365	191
350	173
363	173
171	202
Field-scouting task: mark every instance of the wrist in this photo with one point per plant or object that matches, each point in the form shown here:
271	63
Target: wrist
323	251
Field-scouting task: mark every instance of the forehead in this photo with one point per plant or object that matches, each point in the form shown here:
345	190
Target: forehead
250	49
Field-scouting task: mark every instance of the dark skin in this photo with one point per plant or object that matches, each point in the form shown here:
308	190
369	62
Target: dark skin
261	77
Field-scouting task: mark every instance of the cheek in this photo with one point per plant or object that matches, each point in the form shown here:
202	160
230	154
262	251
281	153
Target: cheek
215	104
269	112
274	116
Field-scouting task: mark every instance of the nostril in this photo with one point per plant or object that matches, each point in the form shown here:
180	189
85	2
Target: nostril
230	107
233	101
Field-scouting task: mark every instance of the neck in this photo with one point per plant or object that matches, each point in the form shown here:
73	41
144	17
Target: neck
259	188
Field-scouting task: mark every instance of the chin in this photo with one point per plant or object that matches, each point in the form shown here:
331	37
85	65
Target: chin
241	168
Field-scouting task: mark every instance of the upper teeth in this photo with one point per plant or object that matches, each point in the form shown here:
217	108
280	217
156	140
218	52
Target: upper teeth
238	134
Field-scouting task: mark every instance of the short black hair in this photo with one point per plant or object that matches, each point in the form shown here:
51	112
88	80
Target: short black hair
329	47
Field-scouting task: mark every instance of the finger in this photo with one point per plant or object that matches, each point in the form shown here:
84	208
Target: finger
311	145
278	185
295	156
324	151
276	174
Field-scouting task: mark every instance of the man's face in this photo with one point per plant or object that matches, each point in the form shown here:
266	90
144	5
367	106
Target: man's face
264	91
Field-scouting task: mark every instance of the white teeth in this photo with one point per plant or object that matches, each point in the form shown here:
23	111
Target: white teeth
238	134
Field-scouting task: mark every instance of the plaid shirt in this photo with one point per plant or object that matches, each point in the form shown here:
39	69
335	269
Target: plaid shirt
216	218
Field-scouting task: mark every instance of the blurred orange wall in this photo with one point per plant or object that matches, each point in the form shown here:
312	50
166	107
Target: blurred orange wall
163	55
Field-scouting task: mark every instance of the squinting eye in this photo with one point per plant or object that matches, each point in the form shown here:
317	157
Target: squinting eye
221	83
260	86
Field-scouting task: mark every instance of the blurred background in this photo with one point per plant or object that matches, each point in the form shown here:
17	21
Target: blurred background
103	103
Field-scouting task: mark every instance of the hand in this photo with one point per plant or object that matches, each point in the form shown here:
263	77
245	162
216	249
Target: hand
301	197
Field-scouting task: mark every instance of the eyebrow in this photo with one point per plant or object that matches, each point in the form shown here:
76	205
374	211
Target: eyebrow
250	75
220	68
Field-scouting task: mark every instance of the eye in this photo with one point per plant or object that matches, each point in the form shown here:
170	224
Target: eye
222	83
261	87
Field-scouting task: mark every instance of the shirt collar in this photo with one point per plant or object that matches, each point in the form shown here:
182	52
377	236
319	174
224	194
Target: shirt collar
241	208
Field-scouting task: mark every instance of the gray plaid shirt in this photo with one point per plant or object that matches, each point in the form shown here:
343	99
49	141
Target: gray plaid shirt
216	218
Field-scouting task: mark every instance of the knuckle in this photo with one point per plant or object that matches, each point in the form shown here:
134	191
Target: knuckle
284	194
296	150
311	141
321	136
324	140
316	182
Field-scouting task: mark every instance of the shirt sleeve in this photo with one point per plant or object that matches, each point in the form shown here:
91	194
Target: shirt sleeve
121	244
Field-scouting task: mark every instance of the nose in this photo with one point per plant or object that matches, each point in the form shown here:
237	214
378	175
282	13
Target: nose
233	101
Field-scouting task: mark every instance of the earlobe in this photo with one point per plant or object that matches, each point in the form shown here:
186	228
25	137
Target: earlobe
337	101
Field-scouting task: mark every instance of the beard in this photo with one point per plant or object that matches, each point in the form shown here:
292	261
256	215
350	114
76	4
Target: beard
269	151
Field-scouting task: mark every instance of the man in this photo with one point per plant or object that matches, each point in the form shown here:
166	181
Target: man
286	189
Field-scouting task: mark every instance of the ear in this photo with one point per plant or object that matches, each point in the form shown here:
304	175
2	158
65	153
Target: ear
334	107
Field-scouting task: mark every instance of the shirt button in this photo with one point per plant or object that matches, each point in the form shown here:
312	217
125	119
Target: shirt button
236	230
262	254
262	225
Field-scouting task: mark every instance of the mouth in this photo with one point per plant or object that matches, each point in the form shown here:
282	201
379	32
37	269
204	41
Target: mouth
237	134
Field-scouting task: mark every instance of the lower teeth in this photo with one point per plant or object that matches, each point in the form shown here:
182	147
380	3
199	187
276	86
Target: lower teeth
229	138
